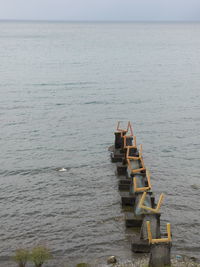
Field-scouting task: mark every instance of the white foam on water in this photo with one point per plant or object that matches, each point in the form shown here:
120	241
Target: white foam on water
62	170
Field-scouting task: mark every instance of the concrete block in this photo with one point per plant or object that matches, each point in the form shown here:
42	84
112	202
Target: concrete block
116	156
121	168
132	220
127	199
140	246
160	255
125	181
118	140
124	187
129	140
133	152
155	225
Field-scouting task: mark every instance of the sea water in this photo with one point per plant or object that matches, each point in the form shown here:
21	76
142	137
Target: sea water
63	87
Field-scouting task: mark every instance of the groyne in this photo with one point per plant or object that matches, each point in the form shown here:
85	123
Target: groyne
138	199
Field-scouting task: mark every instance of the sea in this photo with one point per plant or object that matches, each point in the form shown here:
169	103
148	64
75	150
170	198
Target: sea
63	87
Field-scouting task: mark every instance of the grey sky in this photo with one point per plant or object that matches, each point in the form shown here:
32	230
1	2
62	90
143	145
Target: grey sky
138	10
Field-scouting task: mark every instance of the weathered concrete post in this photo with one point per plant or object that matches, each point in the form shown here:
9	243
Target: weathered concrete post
160	251
160	255
154	219
127	142
117	155
119	139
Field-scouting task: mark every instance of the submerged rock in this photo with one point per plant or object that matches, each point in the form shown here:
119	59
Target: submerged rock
111	148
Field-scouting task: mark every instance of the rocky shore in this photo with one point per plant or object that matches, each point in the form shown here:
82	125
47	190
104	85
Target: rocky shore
143	262
176	261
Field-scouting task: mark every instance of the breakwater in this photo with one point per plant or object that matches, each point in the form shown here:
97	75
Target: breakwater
137	194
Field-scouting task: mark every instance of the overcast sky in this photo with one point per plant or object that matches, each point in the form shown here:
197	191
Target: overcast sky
120	10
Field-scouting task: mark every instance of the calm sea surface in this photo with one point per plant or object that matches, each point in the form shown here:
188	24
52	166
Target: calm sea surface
63	86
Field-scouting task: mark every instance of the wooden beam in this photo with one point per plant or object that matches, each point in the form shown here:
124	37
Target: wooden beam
157	209
159	240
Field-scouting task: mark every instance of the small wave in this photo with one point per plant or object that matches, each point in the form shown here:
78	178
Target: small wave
17	107
116	219
60	104
166	150
62	84
95	102
14	123
39	170
27	171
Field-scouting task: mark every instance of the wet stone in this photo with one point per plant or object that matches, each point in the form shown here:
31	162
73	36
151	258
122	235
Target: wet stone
111	260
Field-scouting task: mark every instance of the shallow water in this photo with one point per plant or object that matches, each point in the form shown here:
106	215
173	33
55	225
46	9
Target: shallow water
63	87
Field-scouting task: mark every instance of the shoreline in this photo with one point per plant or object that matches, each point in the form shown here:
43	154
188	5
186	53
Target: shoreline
176	261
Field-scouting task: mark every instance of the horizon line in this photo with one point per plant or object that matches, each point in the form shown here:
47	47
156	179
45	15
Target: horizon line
98	21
